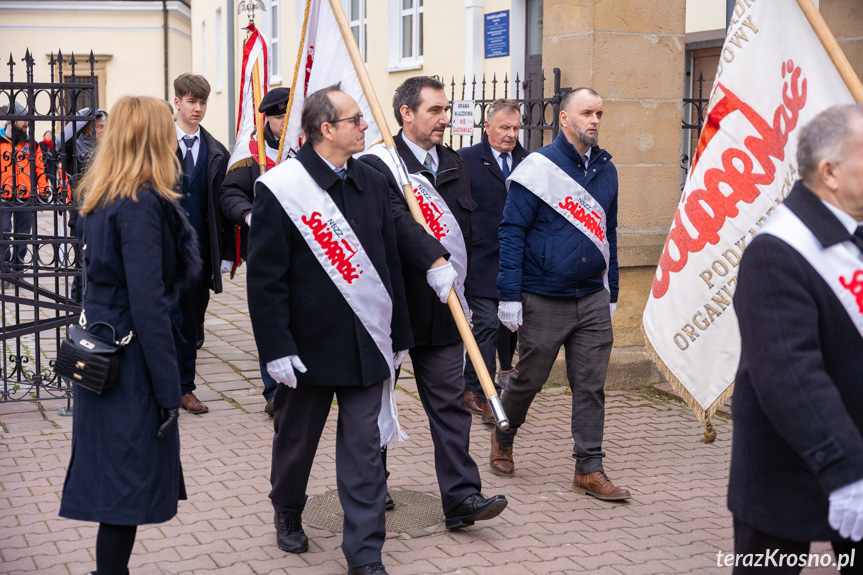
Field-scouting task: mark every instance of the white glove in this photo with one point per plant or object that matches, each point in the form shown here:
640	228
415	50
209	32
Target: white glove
226	266
509	314
399	357
441	279
611	308
846	510
282	369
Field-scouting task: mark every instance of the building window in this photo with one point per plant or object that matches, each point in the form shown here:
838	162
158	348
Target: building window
273	31
204	48
357	18
218	50
411	29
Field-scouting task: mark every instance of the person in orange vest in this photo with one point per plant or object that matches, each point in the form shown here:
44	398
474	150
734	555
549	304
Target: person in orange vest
16	186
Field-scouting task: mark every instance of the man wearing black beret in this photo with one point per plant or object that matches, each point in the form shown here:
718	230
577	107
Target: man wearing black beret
238	189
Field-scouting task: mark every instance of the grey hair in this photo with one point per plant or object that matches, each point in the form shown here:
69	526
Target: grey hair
318	109
825	138
568	98
501	105
409	94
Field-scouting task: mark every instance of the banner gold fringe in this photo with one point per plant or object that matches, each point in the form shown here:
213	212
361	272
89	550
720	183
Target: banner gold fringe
703	415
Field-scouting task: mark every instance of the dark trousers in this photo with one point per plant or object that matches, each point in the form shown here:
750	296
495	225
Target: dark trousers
269	383
192	304
485	329
299	418
439	372
582	326
17	226
507	341
748	540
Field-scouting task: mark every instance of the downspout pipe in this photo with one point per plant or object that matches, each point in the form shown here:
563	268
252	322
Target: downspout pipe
232	85
165	41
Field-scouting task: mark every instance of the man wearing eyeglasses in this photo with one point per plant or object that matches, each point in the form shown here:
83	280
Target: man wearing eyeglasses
431	267
328	310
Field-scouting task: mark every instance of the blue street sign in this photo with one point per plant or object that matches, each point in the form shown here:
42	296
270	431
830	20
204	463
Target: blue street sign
497	34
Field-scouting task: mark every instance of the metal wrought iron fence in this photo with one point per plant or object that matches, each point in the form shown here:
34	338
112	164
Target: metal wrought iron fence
40	253
692	123
539	114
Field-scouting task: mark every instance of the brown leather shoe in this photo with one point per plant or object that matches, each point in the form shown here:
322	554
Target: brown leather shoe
192	404
472	402
487	413
500	459
599	485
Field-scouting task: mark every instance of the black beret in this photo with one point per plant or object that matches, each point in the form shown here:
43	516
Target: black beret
275	102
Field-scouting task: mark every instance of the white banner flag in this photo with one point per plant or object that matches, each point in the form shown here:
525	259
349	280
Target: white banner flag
774	76
324	61
255	49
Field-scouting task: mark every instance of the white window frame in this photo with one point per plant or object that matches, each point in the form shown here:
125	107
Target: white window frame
360	21
204	48
218	50
398	63
272	29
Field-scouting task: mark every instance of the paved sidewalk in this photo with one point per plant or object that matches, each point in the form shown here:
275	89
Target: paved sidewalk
676	521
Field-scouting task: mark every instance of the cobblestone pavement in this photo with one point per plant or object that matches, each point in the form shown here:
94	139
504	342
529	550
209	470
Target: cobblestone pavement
676	521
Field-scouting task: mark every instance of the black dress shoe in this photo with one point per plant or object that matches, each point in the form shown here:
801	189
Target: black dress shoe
369	569
475	508
289	532
389	504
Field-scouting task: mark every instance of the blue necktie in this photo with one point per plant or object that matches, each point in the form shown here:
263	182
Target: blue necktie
189	158
341	173
857	237
504	166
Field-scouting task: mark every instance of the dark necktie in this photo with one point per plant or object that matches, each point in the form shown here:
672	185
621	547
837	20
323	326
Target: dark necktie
504	166
341	173
857	237
585	159
189	158
429	163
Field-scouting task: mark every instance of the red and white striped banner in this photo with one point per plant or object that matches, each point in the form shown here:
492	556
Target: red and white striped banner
255	49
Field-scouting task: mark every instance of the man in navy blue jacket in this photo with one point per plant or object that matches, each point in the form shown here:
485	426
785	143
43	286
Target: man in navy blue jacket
489	164
558	271
797	453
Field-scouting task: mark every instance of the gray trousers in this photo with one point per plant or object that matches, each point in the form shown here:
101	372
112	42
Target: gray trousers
583	327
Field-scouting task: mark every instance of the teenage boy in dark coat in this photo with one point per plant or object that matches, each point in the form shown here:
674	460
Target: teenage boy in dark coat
204	161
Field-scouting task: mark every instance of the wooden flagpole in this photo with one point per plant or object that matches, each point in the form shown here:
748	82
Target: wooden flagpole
453	301
259	118
831	46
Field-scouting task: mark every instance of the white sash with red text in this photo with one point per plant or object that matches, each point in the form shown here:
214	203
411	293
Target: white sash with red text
339	251
552	185
439	218
840	265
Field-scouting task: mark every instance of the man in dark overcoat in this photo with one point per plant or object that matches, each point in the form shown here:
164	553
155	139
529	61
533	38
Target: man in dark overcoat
238	191
204	161
421	106
797	452
489	164
302	322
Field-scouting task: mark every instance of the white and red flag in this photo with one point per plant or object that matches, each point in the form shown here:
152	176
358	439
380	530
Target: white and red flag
324	61
255	49
774	76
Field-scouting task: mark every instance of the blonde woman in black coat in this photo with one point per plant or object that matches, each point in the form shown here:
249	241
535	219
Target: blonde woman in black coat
138	250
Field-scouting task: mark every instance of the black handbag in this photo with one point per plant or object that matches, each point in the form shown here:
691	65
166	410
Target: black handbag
89	360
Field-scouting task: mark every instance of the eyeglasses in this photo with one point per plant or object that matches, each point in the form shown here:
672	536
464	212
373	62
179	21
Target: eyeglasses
356	119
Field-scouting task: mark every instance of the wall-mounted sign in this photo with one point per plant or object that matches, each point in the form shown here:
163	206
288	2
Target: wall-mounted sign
462	118
497	34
